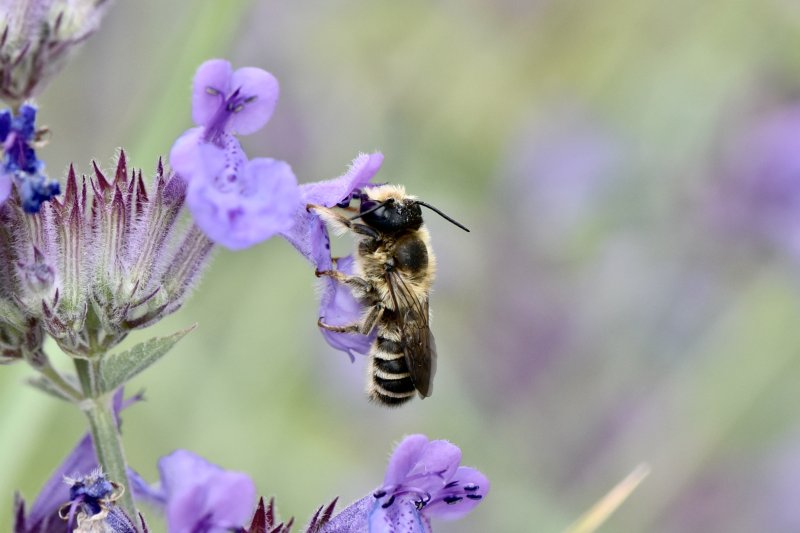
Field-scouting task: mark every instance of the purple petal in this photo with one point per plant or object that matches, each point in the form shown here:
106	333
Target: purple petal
401	516
212	76
5	187
191	157
430	465
338	307
466	477
331	192
403	459
245	204
308	234
55	492
199	492
260	90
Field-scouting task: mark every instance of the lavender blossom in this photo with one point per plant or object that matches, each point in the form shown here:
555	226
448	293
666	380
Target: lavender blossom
423	480
37	37
20	166
235	201
309	236
200	497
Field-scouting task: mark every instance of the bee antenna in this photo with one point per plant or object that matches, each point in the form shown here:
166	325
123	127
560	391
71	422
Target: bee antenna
368	211
429	206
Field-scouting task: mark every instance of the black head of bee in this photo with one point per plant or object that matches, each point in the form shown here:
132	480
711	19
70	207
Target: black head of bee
391	216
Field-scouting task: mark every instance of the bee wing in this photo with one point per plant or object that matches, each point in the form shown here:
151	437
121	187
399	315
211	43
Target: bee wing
419	346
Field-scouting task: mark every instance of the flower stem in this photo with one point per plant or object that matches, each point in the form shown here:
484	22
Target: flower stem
105	432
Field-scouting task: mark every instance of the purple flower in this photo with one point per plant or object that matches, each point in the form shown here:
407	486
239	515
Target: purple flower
201	497
423	480
309	236
760	194
20	164
43	516
224	100
235	201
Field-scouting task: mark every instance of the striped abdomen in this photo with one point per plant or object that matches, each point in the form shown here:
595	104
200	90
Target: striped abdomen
391	383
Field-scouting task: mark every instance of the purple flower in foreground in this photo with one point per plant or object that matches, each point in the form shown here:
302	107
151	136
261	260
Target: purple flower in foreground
423	480
91	506
309	236
235	201
20	164
201	497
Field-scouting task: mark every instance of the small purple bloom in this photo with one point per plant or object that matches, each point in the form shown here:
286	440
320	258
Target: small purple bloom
20	164
202	497
238	203
309	236
235	201
239	102
423	480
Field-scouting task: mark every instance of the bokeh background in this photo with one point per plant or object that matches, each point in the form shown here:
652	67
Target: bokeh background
629	292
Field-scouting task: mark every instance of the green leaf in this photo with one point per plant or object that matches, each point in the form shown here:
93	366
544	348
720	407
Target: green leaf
47	386
118	369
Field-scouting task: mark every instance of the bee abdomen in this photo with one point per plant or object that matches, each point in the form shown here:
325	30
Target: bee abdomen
391	383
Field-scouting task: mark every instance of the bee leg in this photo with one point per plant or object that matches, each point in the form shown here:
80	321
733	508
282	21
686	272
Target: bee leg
350	328
353	281
372	318
340	223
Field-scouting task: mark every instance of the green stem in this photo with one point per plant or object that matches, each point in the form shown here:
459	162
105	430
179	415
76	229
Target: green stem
105	432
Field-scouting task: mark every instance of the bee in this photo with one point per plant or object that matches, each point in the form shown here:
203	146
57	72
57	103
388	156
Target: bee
395	268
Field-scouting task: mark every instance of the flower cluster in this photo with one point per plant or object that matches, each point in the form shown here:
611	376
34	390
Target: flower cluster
424	480
112	255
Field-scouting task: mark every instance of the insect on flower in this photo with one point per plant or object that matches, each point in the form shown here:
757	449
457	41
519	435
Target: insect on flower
395	268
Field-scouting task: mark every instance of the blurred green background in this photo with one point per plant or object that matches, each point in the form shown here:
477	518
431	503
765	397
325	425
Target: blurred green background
629	291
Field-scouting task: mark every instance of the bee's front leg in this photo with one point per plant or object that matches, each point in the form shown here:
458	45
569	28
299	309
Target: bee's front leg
350	328
340	223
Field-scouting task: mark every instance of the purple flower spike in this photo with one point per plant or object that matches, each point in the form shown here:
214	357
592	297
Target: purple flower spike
202	497
423	480
238	203
310	237
239	102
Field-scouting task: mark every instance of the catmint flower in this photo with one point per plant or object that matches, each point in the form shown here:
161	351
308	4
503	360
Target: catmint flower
309	236
36	38
91	506
237	202
201	497
20	165
423	480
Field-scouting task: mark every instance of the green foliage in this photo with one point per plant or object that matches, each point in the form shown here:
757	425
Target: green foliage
118	369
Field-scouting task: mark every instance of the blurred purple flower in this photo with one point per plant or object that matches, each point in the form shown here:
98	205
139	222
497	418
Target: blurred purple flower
423	480
759	195
235	201
201	497
558	169
309	236
20	164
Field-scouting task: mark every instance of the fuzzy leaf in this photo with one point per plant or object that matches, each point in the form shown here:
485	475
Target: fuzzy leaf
118	369
46	385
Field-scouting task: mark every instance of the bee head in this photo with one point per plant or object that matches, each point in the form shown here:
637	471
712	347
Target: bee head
391	215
